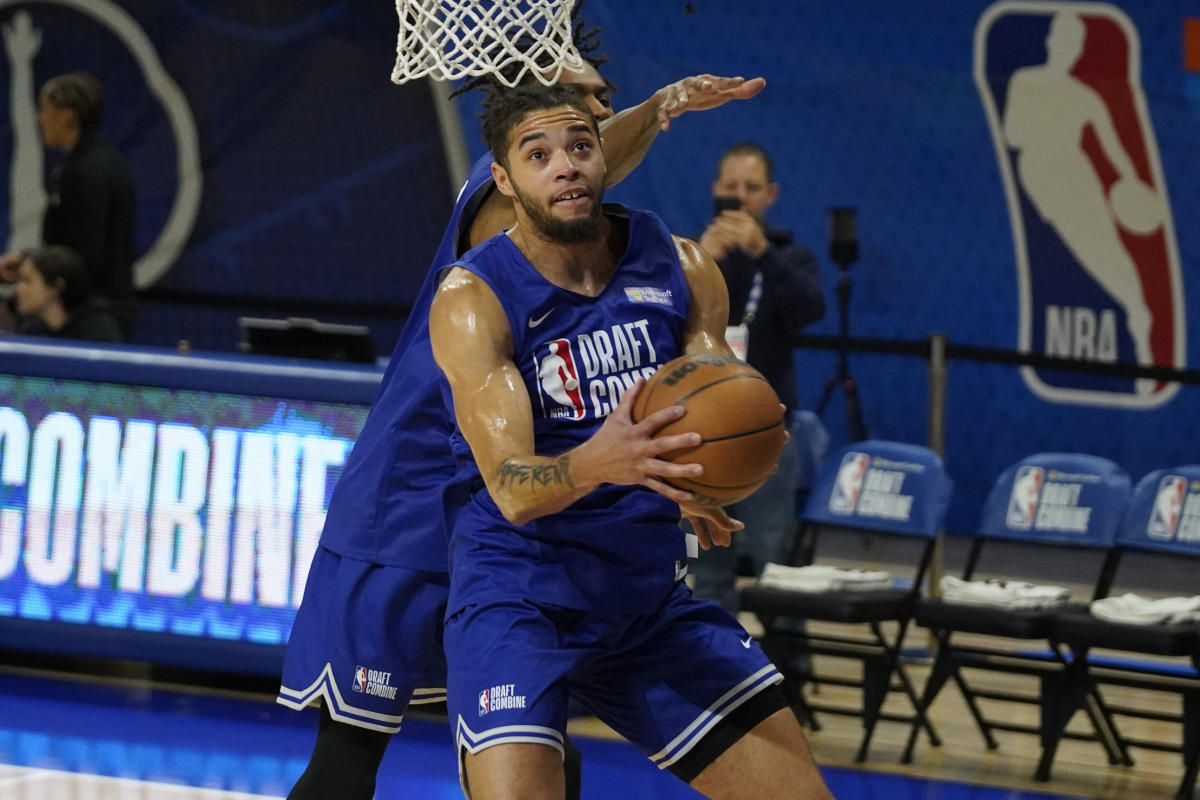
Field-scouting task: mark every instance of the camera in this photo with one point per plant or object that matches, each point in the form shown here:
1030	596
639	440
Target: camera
725	203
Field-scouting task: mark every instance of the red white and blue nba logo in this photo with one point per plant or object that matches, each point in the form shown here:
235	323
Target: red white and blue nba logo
1168	504
483	702
1097	261
558	378
848	486
360	679
1023	502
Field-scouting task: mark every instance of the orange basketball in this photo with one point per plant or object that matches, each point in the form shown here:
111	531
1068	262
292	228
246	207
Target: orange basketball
731	405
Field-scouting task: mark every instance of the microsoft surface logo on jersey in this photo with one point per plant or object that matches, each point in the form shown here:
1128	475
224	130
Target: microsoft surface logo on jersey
848	485
648	294
1023	502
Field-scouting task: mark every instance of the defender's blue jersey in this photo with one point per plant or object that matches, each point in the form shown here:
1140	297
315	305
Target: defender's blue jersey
391	501
578	355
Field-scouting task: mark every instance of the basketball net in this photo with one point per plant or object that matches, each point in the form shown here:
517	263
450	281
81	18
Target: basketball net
452	39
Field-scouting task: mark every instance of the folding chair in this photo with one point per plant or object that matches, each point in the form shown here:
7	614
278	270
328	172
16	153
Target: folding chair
1162	532
1047	506
884	489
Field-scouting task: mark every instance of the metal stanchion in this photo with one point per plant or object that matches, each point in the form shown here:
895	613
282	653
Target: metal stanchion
937	440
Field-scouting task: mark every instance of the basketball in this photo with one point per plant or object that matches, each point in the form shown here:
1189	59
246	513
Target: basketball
731	405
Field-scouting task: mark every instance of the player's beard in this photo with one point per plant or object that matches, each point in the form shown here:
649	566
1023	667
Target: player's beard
576	231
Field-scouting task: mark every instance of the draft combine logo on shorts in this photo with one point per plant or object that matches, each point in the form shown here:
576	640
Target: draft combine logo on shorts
500	698
1098	270
1176	512
1048	501
374	682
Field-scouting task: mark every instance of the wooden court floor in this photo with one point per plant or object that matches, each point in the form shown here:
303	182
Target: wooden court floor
256	737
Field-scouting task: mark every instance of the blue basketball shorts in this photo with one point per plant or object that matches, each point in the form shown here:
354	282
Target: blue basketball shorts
662	680
367	639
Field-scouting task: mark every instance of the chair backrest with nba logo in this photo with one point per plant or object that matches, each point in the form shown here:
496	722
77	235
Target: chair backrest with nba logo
1061	498
883	486
1164	514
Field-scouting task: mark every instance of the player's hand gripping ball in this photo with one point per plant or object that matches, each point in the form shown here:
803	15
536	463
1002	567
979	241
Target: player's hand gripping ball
735	411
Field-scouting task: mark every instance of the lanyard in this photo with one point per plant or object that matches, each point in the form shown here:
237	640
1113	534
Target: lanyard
752	301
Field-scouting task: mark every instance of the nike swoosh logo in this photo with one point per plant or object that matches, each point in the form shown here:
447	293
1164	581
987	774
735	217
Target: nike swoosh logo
533	323
746	642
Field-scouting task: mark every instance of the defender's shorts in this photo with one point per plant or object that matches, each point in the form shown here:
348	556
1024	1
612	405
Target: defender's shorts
368	639
662	680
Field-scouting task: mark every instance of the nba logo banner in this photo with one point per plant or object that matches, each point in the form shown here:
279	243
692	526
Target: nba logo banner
848	486
1097	261
1022	503
360	679
1168	504
483	702
558	379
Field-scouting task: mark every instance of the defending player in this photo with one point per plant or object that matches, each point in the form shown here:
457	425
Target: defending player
566	566
367	637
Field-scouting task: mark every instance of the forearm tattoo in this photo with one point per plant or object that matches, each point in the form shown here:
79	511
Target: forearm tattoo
513	474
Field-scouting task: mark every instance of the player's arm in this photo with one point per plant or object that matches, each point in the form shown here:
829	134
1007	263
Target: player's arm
628	135
705	333
709	311
472	344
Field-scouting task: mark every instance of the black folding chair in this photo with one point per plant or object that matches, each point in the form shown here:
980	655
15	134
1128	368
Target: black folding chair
885	489
1161	533
1048	506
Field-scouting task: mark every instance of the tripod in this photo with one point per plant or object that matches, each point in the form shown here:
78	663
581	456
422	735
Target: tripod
843	249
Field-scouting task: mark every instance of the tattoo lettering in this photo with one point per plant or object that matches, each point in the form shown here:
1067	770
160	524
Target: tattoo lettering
559	473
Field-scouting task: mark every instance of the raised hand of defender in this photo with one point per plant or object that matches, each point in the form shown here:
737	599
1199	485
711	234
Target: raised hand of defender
625	452
701	92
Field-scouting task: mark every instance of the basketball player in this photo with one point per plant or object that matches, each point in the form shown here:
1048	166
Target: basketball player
567	563
367	637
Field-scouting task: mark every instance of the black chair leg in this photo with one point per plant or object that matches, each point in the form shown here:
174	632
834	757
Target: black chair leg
1106	730
943	667
1062	693
985	728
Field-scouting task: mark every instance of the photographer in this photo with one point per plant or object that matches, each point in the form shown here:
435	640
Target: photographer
774	291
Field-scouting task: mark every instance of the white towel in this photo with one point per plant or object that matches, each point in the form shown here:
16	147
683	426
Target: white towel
1002	593
821	578
1134	609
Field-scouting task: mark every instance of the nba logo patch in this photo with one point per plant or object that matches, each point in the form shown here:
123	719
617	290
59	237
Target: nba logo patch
1168	503
1023	502
360	679
483	702
1098	267
848	485
558	381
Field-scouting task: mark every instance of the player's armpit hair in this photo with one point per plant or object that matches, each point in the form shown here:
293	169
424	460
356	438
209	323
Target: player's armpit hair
512	473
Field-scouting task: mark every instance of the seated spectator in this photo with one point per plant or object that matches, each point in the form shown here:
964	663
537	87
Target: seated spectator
53	298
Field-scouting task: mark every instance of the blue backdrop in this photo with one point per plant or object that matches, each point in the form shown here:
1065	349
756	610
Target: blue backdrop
324	186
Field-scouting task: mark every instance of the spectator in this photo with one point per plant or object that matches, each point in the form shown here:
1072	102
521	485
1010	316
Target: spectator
774	291
52	295
90	195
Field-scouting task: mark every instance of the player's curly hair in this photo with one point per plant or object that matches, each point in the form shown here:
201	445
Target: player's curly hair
587	42
504	108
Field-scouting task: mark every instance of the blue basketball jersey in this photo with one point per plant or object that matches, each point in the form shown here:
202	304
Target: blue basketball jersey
397	486
619	546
